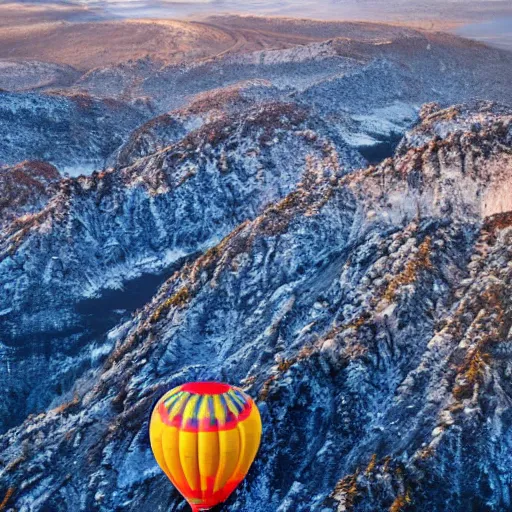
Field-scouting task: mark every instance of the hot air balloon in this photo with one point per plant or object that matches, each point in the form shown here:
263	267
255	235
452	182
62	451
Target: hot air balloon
205	436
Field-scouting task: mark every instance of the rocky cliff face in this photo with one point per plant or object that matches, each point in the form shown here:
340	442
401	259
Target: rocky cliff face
368	312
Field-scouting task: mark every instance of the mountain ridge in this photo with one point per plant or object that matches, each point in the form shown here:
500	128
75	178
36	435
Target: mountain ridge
328	280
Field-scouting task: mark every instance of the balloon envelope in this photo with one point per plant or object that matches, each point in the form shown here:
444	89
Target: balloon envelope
205	436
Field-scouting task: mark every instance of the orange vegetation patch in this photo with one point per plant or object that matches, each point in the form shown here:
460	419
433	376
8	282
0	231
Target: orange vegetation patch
283	366
401	502
7	497
179	299
498	221
472	373
66	405
346	489
410	273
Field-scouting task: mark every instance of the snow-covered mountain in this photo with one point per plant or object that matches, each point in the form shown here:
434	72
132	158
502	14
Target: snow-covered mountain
368	81
368	312
99	232
75	132
305	222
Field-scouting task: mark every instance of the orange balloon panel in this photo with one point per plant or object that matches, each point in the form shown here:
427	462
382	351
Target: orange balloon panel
204	436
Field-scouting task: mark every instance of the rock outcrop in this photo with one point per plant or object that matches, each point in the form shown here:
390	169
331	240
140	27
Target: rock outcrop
26	188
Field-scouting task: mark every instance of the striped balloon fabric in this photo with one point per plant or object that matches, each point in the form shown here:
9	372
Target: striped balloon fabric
205	436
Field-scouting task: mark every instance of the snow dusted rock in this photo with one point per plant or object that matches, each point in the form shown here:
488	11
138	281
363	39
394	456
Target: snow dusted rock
369	314
166	129
76	133
438	123
26	188
100	236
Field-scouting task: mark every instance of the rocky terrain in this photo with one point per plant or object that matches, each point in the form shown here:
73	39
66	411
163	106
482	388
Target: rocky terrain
369	314
26	188
74	132
292	215
143	219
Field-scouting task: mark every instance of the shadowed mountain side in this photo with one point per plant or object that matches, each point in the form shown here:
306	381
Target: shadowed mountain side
75	132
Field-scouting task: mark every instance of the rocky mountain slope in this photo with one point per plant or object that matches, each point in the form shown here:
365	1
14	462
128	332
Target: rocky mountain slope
436	66
369	314
75	132
19	76
61	266
26	188
287	210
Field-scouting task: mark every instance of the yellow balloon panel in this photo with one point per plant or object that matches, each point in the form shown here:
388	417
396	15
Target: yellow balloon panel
229	448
